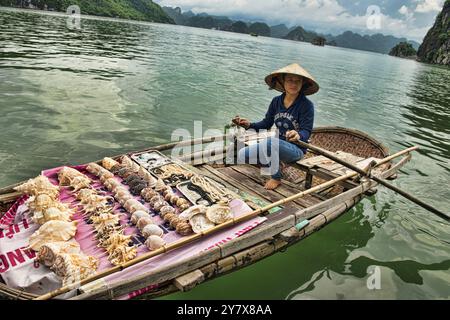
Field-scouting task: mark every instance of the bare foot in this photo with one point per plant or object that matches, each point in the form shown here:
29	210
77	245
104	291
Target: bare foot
272	184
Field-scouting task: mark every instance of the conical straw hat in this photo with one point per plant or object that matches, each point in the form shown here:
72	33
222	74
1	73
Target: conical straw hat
274	80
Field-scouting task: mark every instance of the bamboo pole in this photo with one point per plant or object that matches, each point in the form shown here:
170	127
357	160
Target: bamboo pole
194	237
375	178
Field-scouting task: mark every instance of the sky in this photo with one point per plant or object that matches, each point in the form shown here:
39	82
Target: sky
402	18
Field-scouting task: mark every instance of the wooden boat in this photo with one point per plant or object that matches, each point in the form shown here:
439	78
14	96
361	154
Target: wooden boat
296	220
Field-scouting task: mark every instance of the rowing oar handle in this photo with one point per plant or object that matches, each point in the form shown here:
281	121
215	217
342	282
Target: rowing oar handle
368	174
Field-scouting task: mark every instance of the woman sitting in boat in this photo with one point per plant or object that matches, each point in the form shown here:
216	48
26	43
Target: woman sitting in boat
293	115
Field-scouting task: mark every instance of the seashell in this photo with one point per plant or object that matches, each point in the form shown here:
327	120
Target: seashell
109	163
174	198
143	221
219	213
200	223
84	194
94	168
118	188
48	252
74	267
154	242
40	184
188	213
137	215
146	176
166	209
184	228
67	174
137	206
52	231
132	177
115	239
136	189
41	202
167	196
166	191
135	167
122	254
159	204
160	185
105	174
152	229
155	199
184	206
174	221
169	216
115	169
181	202
80	182
126	162
124	198
105	219
123	172
53	213
111	183
148	193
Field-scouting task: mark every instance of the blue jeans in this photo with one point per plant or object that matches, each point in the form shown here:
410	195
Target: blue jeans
268	153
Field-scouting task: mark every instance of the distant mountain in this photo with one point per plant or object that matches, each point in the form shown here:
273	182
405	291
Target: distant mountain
403	50
300	34
279	31
436	44
136	9
260	29
376	43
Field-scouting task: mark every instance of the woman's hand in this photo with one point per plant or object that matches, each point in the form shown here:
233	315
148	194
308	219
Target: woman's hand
241	122
292	135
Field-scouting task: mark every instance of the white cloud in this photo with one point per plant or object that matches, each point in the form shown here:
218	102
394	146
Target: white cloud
429	6
325	15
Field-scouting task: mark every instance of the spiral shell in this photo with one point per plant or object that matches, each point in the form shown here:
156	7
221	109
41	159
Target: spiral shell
111	183
159	204
152	229
184	228
181	202
148	193
137	215
166	209
39	185
154	242
109	163
155	199
48	252
143	221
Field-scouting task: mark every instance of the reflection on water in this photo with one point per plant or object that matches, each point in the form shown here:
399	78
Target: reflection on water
72	96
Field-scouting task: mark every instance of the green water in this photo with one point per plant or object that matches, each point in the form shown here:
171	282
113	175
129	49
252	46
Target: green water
69	97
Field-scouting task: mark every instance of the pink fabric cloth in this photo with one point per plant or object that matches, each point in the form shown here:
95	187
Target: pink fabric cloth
85	235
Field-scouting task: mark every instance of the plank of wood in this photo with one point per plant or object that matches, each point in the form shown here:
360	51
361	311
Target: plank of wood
268	195
189	280
283	190
9	197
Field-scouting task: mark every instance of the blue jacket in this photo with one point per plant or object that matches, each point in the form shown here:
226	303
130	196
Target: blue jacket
298	117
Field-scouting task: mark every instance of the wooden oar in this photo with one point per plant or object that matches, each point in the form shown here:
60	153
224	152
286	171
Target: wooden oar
194	237
408	196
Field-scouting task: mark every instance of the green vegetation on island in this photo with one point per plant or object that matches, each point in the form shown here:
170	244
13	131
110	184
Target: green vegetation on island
436	44
145	10
403	50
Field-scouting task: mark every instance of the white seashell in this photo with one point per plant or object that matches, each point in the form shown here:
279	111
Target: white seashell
105	174
160	185
94	168
52	231
48	252
137	215
40	184
111	183
143	221
219	213
152	229
188	213
126	162
154	242
108	163
200	222
77	266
